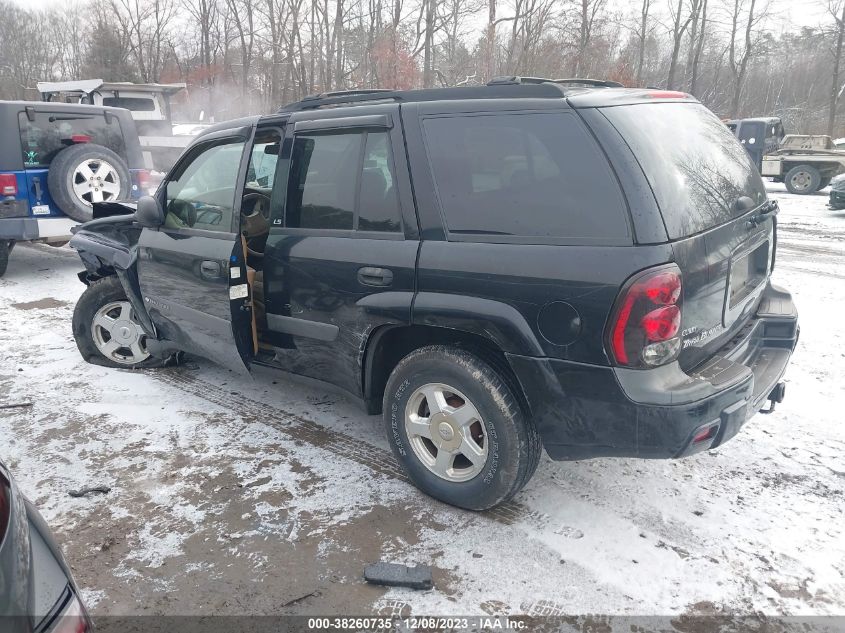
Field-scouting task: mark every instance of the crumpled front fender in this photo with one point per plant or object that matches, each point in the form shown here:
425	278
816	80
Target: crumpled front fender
109	246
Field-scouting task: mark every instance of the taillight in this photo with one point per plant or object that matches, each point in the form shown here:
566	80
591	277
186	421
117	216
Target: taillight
643	330
8	185
666	94
71	620
144	182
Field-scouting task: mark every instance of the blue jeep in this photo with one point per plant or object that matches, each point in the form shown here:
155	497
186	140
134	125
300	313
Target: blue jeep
56	160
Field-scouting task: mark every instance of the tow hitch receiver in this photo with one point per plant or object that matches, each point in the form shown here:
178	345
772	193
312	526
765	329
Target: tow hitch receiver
775	396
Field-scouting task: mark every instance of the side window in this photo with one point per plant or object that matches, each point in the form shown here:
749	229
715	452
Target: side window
51	132
263	160
342	181
378	206
201	193
527	175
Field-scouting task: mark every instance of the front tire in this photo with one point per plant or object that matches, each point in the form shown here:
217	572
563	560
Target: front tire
106	330
802	180
456	427
5	250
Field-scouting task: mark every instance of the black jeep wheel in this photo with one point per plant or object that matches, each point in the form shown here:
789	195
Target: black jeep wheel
802	180
106	330
5	249
457	429
824	182
84	174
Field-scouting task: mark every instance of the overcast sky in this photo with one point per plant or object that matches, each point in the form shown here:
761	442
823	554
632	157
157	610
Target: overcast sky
788	13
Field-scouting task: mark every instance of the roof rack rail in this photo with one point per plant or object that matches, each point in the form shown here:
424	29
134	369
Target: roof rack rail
596	83
515	79
345	93
500	88
341	97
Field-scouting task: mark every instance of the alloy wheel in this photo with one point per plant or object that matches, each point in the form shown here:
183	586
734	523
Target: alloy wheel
96	180
118	335
446	432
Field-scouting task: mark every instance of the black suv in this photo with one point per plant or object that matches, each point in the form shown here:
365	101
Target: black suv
496	269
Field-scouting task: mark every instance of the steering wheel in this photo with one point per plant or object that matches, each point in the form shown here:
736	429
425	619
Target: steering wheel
256	202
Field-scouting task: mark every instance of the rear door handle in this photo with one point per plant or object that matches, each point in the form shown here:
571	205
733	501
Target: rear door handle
372	276
210	269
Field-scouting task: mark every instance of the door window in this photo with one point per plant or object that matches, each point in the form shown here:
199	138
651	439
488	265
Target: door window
202	193
342	182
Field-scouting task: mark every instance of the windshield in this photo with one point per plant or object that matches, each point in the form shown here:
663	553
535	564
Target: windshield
696	167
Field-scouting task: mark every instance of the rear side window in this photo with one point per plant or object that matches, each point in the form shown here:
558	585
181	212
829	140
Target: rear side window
696	167
342	181
525	175
51	132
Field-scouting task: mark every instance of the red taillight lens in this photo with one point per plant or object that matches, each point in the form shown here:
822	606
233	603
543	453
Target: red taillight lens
8	185
667	94
661	324
80	138
5	507
144	182
647	318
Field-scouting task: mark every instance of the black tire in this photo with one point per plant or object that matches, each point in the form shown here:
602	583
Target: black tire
5	249
802	180
60	178
100	293
824	183
514	448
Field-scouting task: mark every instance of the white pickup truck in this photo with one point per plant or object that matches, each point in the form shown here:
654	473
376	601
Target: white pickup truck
804	163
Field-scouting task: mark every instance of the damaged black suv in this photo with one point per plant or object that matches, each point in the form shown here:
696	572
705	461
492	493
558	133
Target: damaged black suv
530	264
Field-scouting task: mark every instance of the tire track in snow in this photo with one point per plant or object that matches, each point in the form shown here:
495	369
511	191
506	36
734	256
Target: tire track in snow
301	429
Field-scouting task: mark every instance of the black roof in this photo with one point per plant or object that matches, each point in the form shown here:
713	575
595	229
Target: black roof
600	92
498	91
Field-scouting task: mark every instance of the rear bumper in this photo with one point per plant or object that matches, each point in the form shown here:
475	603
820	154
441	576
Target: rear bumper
584	411
27	229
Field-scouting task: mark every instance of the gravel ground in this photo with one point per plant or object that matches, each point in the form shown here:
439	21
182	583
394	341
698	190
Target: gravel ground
269	495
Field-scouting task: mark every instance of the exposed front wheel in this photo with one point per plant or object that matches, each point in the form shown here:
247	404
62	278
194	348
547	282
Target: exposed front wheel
106	329
457	429
802	180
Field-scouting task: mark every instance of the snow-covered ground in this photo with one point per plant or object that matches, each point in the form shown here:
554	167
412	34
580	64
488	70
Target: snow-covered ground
232	495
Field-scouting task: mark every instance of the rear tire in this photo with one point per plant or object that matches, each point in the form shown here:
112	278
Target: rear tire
490	448
802	180
5	249
106	330
73	179
824	183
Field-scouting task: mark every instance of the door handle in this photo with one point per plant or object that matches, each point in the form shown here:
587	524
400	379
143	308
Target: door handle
372	276
210	269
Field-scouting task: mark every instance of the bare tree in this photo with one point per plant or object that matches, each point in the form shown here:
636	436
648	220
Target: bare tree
746	16
682	15
836	8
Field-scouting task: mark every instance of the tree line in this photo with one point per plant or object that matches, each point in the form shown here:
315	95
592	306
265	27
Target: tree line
739	57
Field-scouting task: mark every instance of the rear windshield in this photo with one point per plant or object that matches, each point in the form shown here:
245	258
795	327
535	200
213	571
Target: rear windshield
51	132
136	104
696	167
